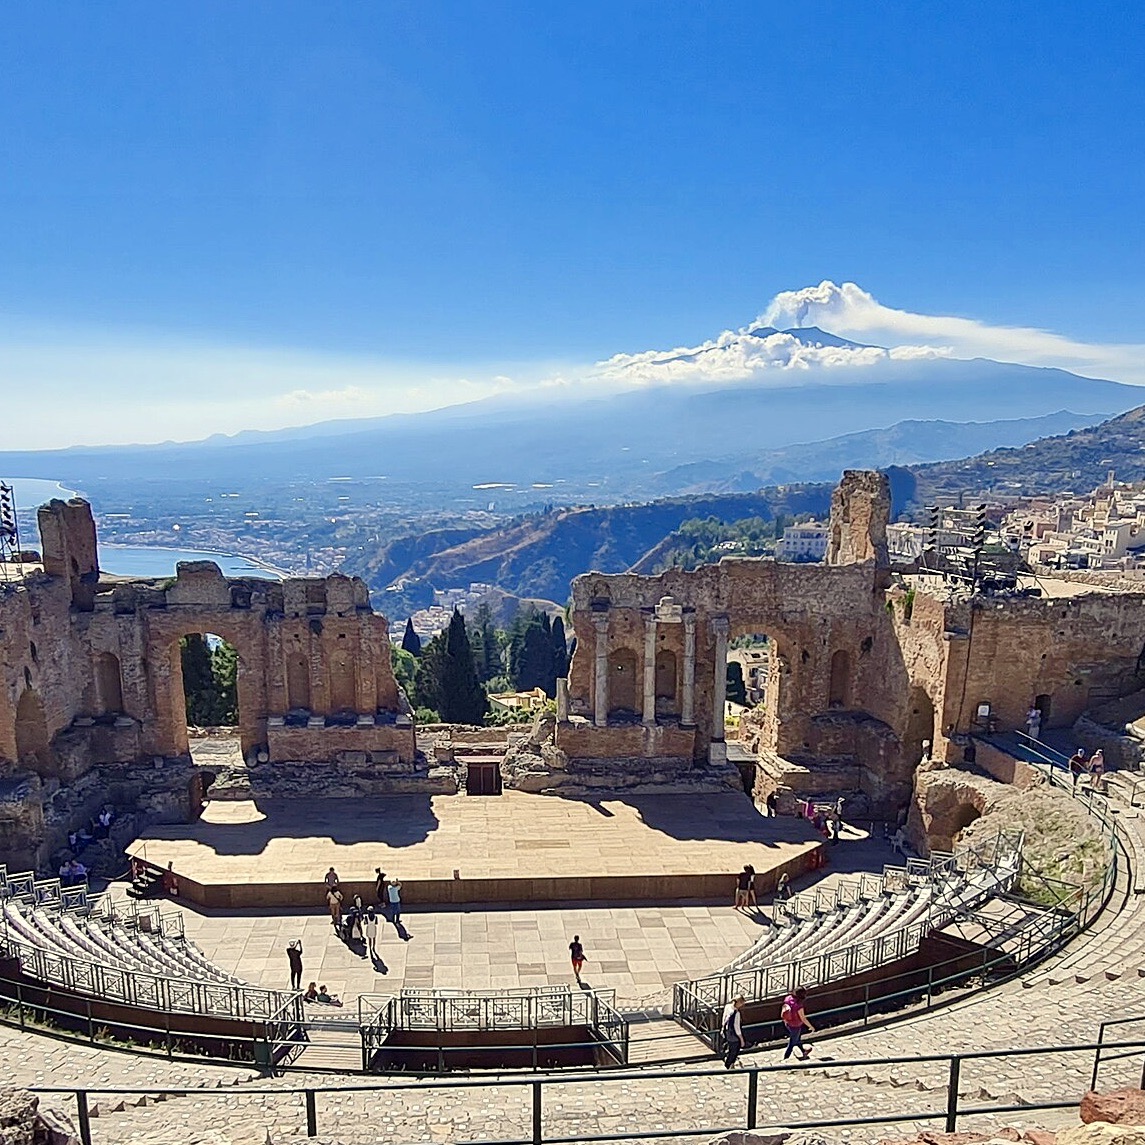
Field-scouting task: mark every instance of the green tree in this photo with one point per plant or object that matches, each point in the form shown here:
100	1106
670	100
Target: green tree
210	681
463	700
560	651
531	658
446	679
405	669
486	644
411	642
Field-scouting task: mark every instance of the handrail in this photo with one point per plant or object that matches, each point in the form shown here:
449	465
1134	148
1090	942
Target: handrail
948	1112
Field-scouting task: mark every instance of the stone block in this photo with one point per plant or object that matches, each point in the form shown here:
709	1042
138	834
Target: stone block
1103	1133
1118	1106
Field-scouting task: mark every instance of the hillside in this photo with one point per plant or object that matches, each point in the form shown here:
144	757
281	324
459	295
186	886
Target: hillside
1077	461
538	556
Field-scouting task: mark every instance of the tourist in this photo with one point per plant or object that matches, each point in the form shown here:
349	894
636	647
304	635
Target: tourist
820	824
334	905
1097	770
294	957
170	881
899	843
795	1020
751	899
1034	722
394	897
331	879
733	1031
372	932
1077	767
783	886
743	887
380	888
311	994
771	803
326	998
576	951
79	874
839	805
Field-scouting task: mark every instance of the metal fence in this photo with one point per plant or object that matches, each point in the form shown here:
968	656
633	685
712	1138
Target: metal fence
553	1092
525	1009
698	1003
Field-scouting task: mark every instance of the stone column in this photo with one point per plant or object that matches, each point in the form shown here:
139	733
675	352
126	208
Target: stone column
720	682
600	698
650	671
562	701
688	708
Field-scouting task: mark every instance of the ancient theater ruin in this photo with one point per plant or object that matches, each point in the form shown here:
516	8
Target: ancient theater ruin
872	669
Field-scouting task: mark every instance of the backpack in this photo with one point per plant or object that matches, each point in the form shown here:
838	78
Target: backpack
790	1012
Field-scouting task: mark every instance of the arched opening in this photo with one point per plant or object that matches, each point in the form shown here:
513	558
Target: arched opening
839	691
963	817
622	683
33	749
209	677
210	680
666	683
108	684
919	725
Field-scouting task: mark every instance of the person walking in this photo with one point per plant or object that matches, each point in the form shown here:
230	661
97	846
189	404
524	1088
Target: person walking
1034	722
1077	766
795	1020
743	887
380	888
372	933
334	905
576	951
732	1023
772	804
394	898
1097	770
294	957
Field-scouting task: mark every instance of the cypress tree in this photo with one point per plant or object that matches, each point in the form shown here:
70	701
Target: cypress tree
462	699
411	642
560	651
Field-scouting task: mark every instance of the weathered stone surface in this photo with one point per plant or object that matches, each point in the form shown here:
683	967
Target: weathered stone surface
1118	1106
1060	838
1102	1133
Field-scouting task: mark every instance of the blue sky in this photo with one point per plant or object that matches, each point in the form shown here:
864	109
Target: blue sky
207	208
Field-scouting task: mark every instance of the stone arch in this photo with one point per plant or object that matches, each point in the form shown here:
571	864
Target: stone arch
919	724
839	689
622	682
108	684
666	681
33	747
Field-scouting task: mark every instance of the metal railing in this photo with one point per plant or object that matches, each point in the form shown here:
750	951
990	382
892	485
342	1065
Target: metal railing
950	1107
526	1009
950	876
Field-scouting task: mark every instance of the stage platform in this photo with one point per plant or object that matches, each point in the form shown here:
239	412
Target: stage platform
511	848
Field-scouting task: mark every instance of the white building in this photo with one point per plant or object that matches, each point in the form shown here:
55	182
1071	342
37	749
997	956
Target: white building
806	542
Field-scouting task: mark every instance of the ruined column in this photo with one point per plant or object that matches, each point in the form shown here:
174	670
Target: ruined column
720	683
650	670
688	708
562	701
600	699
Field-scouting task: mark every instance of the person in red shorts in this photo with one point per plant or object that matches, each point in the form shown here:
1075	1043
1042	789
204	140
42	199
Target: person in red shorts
577	952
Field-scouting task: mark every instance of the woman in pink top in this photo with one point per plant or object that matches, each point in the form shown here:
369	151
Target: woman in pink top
794	1021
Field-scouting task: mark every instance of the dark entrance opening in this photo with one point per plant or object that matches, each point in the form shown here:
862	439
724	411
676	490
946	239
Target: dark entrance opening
483	776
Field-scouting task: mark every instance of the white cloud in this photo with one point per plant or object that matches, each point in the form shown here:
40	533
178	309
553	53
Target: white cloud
852	313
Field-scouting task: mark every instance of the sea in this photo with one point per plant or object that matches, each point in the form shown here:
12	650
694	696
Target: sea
127	560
